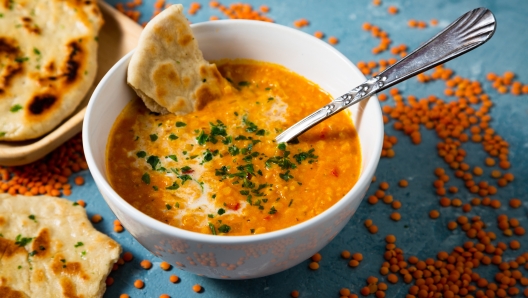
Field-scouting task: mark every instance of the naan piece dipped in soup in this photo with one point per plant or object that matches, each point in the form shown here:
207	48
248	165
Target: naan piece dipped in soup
219	171
167	69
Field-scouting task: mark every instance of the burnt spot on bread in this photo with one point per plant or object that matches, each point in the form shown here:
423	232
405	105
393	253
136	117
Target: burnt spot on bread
42	102
61	266
9	249
50	67
6	291
210	88
205	95
41	244
73	63
2	221
8	4
185	39
165	75
28	24
9	52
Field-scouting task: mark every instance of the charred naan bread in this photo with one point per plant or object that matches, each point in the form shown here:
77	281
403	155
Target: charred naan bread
48	248
168	70
48	61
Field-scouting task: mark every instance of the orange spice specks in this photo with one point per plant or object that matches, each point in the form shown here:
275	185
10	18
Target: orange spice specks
48	175
434	214
165	266
194	7
197	288
317	257
242	11
127	256
139	284
392	10
174	279
96	218
145	264
319	34
345	254
333	40
301	23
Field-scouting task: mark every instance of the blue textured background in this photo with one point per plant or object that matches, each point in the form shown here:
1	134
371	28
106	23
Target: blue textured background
417	234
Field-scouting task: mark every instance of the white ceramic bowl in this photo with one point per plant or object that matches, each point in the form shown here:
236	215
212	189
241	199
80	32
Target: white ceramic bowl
239	257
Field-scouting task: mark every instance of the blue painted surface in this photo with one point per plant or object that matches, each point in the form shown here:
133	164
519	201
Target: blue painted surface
417	234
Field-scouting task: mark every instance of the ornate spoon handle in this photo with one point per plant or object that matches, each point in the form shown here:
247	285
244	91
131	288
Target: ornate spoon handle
463	35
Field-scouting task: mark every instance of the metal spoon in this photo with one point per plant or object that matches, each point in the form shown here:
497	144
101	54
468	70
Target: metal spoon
463	35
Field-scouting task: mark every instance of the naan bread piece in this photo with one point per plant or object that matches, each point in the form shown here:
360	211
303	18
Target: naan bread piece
48	61
168	70
49	248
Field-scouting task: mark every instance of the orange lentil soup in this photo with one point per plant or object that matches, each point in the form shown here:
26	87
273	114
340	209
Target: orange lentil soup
218	170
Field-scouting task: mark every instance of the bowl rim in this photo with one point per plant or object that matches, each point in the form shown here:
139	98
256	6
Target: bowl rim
142	218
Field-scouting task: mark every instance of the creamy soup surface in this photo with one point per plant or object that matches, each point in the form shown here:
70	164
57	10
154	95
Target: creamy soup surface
218	170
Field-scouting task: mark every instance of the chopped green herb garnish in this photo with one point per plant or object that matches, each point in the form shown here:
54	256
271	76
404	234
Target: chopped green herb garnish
282	146
208	156
243	83
221	211
305	155
79	244
141	154
184	178
75	204
180	124
174	186
286	176
22	241
36	51
224	228
32	253
169	207
210	215
155	188
202	138
173	157
272	210
2	133
146	178
250	126
291	201
21	59
177	205
153	137
252	231
32	217
15	108
212	227
173	137
233	150
153	161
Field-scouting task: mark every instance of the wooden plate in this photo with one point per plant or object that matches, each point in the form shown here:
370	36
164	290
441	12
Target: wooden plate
118	36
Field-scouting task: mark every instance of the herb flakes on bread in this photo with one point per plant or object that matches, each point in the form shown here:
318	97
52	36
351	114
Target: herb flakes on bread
49	248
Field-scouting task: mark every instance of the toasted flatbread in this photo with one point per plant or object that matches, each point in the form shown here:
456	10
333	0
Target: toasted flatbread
168	70
48	61
49	248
